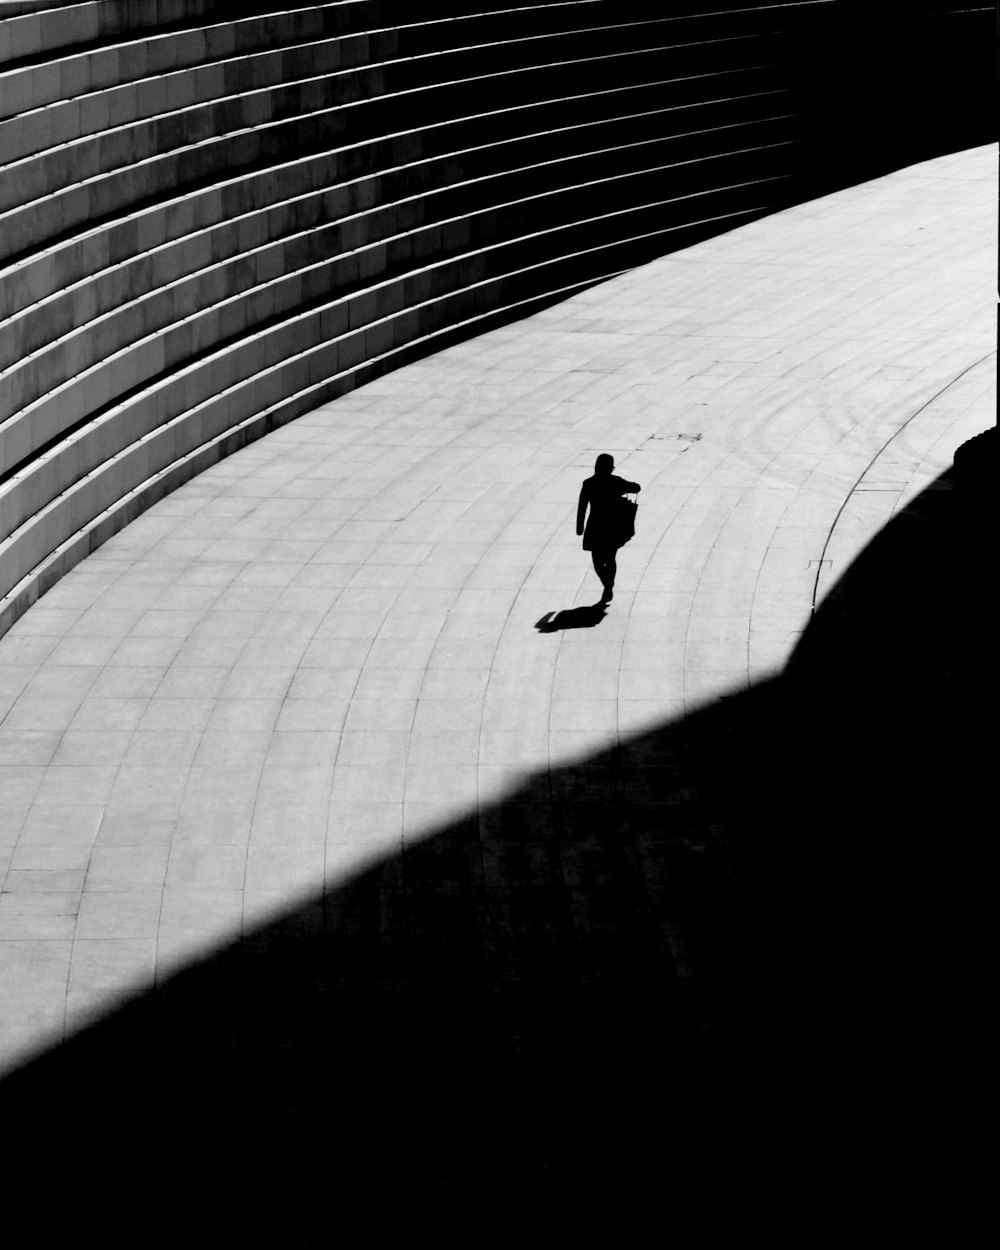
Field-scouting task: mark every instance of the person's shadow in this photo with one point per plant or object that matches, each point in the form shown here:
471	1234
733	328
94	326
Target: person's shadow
585	617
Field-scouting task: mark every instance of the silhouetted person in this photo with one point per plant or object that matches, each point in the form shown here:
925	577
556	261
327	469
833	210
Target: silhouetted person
603	535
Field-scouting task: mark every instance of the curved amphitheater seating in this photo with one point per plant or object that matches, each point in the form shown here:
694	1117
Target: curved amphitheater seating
214	217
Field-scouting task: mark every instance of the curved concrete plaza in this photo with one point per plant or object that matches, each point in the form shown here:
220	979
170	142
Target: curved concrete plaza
359	631
327	646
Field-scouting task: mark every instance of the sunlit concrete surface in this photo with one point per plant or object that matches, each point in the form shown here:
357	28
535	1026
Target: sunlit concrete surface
346	634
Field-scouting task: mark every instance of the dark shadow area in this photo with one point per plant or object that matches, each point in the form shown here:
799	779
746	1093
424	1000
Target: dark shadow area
882	86
585	617
731	978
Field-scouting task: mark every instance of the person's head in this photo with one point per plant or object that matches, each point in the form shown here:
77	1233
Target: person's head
604	465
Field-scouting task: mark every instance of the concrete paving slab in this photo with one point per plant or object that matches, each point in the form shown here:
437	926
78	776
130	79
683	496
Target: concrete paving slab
362	628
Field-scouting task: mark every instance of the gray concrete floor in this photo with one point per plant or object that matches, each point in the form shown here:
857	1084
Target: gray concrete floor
326	648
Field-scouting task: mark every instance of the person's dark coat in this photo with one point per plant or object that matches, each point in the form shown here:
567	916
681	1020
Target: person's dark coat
602	493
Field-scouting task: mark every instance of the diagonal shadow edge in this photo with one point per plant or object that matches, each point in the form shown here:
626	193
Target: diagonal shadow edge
743	954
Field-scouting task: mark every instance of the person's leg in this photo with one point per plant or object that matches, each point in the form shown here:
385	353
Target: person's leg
611	568
602	560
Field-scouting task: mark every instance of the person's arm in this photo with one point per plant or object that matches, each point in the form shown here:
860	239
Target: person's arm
581	509
630	488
